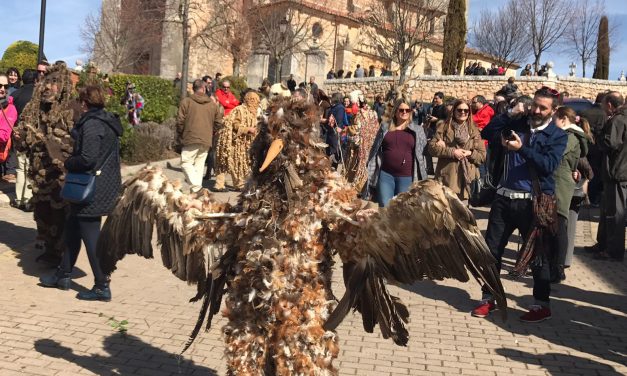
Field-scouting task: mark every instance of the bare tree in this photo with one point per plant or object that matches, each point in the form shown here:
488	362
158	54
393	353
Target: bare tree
398	30
121	33
548	20
231	34
282	28
502	33
581	36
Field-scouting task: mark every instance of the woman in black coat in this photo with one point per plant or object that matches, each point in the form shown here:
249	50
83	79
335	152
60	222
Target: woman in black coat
96	150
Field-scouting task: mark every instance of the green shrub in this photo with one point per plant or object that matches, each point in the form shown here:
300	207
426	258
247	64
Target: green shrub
160	101
21	55
148	142
238	84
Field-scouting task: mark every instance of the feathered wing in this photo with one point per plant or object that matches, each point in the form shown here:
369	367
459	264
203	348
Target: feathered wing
191	234
426	232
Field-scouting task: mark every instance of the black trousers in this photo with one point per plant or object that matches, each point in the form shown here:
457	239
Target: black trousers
86	229
611	233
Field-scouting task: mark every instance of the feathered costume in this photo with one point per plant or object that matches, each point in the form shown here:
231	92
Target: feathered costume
278	243
44	135
361	136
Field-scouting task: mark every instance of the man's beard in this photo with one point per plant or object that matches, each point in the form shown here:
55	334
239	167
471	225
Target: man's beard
537	120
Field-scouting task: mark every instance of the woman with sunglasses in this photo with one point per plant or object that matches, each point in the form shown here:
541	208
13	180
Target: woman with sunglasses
460	151
15	80
397	155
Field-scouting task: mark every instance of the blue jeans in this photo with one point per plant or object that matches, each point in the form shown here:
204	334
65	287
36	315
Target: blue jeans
389	186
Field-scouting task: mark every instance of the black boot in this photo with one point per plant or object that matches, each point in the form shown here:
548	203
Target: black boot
102	293
59	280
557	274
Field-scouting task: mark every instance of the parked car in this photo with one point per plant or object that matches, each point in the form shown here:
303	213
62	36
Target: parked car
577	104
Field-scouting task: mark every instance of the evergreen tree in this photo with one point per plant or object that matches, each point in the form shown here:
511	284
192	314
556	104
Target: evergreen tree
454	37
602	68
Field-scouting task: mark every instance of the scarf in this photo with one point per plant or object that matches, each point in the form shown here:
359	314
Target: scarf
461	136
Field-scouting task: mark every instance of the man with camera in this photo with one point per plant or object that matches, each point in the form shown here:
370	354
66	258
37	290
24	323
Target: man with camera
533	147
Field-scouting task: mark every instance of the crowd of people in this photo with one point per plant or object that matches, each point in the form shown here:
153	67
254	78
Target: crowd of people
536	160
529	153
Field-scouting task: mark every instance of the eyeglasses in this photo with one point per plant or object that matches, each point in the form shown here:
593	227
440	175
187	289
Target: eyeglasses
4	86
41	71
404	110
462	110
550	91
225	87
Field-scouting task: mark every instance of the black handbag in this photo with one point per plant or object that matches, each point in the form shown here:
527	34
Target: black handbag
80	187
482	192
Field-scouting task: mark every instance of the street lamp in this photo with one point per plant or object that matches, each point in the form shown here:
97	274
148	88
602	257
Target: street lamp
278	68
283	26
42	27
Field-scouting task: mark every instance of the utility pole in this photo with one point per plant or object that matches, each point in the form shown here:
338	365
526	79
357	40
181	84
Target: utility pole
42	28
186	31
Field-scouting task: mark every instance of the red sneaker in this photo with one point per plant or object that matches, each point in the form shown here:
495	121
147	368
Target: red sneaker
484	308
536	313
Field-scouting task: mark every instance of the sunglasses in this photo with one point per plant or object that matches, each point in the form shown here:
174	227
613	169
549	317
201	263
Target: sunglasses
462	110
404	110
4	86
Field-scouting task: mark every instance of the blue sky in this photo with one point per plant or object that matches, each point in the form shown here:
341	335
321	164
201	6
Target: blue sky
64	18
617	12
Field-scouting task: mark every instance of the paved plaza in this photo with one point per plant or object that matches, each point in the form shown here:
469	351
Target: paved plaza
50	332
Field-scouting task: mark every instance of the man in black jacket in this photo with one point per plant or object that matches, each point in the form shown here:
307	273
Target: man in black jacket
611	235
596	118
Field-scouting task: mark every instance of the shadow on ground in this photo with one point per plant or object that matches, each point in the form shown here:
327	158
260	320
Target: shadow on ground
127	355
22	241
558	364
573	325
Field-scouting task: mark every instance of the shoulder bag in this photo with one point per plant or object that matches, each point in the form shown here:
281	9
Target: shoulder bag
80	187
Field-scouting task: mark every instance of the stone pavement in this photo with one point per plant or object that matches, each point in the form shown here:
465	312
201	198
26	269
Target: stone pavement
49	332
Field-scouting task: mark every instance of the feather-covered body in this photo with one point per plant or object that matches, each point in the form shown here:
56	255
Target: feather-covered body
278	240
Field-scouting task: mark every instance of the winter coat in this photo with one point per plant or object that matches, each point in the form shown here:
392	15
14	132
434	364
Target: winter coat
7	120
576	147
96	135
198	116
22	96
544	155
614	145
449	170
227	100
376	154
483	116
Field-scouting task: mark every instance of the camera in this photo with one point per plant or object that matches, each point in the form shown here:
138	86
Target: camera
508	134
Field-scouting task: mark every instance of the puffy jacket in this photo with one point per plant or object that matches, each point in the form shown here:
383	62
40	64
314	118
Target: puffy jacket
227	100
7	120
95	136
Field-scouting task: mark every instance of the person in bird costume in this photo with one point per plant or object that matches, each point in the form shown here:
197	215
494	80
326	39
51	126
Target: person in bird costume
43	134
271	254
234	141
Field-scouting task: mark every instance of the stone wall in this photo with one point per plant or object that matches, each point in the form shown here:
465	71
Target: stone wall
423	87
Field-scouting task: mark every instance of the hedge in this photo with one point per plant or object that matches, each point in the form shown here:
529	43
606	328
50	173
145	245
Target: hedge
160	100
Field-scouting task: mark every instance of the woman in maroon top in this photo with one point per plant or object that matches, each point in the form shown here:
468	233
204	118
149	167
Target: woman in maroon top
397	156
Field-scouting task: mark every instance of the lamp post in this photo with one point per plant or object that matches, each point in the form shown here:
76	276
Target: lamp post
278	67
42	28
